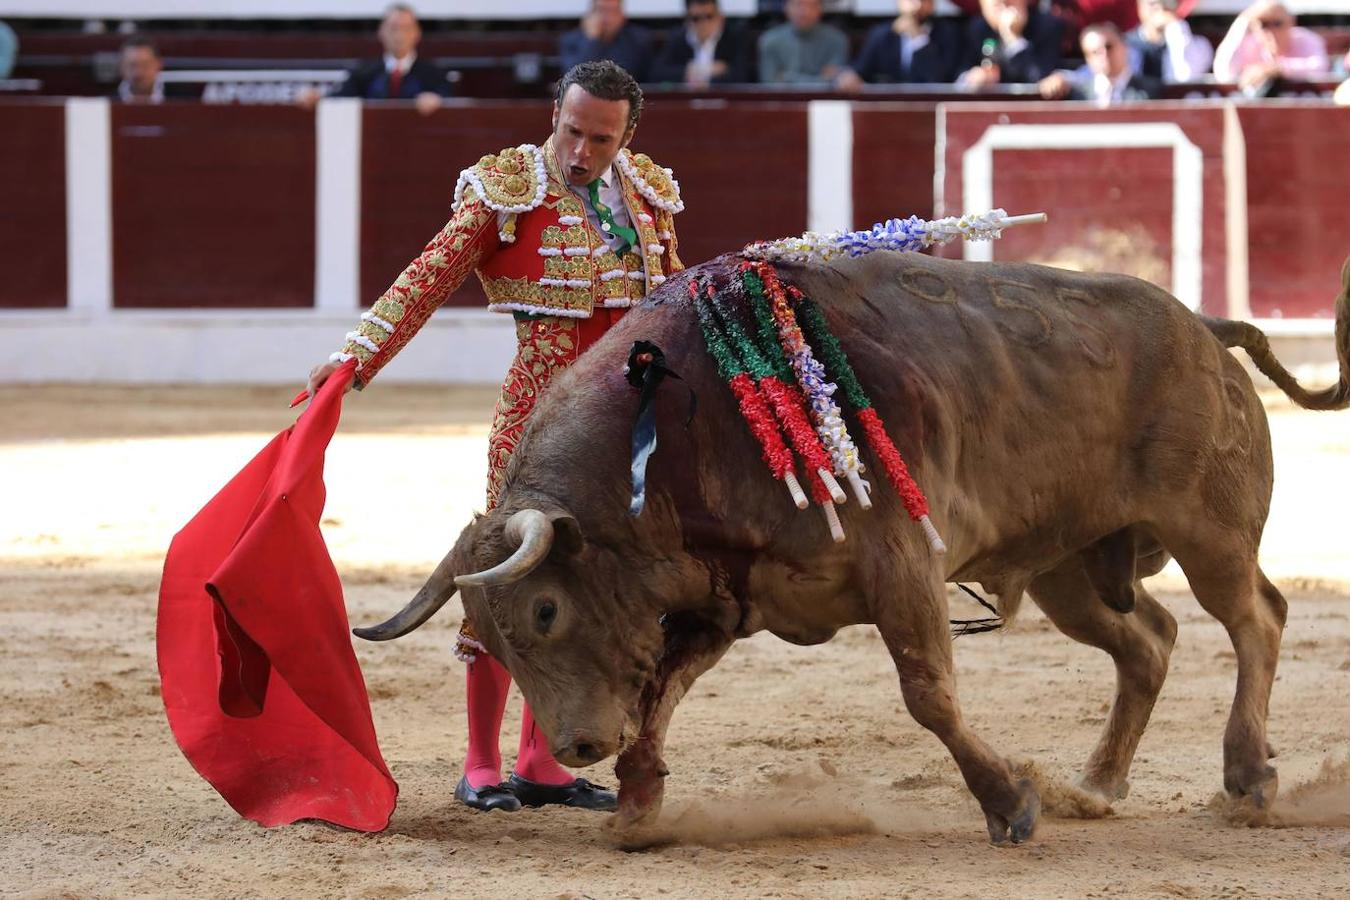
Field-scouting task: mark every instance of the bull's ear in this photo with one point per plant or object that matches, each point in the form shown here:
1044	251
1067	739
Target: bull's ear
567	536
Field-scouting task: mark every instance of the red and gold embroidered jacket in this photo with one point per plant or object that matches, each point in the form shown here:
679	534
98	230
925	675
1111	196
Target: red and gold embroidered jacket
516	222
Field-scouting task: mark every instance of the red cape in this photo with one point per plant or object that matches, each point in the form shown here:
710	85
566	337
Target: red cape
262	689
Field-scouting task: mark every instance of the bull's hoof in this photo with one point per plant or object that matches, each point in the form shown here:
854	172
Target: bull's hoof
1104	789
1258	787
634	836
639	805
1022	825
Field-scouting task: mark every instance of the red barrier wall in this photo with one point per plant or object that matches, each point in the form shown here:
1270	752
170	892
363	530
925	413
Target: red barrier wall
1298	206
213	206
32	206
1113	201
742	173
893	147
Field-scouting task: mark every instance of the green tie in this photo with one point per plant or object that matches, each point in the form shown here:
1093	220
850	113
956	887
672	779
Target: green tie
607	223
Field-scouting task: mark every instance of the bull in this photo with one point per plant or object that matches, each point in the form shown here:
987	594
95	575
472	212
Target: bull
1071	432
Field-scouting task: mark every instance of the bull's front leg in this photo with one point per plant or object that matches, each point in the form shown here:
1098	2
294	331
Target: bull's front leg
911	613
692	648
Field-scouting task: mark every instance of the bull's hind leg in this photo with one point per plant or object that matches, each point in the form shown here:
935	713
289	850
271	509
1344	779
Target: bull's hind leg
1140	644
911	613
1220	565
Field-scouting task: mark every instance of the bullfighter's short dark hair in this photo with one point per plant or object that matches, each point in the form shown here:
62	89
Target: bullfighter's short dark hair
606	80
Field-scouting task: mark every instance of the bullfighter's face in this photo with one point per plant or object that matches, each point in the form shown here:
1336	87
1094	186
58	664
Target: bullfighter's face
567	635
588	133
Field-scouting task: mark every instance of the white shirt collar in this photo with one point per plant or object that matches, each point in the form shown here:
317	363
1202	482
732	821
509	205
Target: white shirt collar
1108	89
402	65
156	93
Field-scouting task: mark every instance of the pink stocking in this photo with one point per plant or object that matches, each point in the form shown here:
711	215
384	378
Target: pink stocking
533	761
487	684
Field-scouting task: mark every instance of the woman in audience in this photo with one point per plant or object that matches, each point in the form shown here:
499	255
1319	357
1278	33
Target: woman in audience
1264	45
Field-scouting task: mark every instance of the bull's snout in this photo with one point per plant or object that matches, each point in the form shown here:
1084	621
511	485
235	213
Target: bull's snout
585	750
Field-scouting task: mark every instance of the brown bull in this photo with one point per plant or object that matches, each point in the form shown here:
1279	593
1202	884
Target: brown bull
1069	430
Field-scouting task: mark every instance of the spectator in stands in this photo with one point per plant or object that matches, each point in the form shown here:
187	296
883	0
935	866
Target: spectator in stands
912	48
140	65
1010	43
399	74
9	49
1165	47
803	50
1264	46
1107	77
705	51
606	33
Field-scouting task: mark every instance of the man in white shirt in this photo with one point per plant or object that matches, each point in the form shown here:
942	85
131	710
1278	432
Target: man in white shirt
140	66
706	50
1164	47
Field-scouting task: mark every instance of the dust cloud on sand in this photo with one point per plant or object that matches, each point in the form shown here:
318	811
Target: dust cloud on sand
1321	800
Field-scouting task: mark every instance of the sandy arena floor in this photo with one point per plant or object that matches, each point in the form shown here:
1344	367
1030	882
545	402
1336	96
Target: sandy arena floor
796	771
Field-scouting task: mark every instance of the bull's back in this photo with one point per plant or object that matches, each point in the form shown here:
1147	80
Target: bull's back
1041	407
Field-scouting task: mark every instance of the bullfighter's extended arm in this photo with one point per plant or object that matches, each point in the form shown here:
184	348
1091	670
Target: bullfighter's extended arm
469	237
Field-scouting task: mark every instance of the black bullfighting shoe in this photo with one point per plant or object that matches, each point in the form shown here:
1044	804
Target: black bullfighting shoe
486	798
580	793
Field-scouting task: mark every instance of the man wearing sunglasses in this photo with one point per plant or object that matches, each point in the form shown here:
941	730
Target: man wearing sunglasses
1264	46
1106	78
705	50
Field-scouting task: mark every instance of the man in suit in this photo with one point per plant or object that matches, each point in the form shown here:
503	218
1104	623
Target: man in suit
803	50
399	74
705	51
1107	78
140	66
606	33
912	48
1010	42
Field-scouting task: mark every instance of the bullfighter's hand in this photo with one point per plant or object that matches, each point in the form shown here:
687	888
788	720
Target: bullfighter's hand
319	374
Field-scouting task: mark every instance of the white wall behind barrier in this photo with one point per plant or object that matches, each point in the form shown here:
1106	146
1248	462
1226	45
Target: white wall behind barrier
246	346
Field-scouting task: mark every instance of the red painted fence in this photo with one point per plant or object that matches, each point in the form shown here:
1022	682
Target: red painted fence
214	207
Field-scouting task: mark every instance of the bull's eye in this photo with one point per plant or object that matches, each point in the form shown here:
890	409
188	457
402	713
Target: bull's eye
547	613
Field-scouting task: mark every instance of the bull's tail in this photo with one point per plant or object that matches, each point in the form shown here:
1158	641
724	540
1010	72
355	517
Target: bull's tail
1257	345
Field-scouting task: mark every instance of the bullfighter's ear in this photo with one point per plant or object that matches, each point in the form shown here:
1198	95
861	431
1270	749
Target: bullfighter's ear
567	536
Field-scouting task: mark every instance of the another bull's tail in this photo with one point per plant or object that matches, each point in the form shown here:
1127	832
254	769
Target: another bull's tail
1257	345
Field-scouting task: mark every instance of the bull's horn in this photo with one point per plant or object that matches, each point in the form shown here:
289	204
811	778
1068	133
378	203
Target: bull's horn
439	588
533	532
